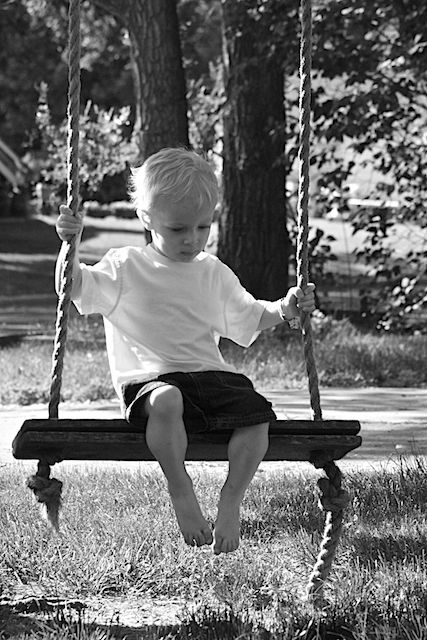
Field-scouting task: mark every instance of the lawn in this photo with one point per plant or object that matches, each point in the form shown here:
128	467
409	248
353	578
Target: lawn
119	545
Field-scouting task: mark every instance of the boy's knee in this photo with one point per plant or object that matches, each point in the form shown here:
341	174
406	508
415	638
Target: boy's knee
254	437
260	433
256	431
165	402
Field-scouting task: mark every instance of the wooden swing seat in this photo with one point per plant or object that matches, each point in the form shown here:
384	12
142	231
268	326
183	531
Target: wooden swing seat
116	439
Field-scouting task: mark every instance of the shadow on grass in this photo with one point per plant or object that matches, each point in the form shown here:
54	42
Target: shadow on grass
37	236
205	624
29	248
389	547
28	236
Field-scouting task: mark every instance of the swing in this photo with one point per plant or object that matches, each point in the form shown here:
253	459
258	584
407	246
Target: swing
317	441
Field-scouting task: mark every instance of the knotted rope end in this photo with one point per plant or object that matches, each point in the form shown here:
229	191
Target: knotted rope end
47	492
331	498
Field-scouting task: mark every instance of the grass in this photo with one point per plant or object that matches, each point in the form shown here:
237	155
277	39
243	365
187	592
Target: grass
345	357
119	539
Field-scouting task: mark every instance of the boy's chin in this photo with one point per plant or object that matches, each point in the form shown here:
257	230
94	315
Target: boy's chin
186	257
181	256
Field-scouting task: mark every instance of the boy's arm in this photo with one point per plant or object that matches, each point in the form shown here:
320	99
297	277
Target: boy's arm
68	227
289	307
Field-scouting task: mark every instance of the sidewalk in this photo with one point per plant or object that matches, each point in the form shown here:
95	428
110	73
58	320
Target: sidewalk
393	420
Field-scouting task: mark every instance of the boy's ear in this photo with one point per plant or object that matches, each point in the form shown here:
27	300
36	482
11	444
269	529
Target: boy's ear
145	219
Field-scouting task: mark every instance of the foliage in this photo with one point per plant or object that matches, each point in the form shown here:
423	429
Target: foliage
378	51
403	278
202	61
320	254
28	55
33	54
104	150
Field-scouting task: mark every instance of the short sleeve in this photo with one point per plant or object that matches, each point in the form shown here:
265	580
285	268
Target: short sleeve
242	312
101	286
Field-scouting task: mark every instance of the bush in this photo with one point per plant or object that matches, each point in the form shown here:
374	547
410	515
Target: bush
106	148
122	209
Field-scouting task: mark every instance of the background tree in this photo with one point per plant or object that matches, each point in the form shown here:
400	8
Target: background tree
253	237
159	83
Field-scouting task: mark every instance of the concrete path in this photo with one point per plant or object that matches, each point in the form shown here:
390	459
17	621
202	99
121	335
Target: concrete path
393	420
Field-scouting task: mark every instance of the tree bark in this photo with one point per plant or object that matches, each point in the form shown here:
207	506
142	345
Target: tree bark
159	81
253	238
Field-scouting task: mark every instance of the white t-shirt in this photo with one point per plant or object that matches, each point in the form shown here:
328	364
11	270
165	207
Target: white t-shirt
162	316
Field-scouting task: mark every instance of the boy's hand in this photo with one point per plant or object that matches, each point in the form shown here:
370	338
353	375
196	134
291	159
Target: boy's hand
68	226
298	300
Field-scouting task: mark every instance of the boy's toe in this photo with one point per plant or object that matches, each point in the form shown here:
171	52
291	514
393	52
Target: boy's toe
207	536
233	545
223	545
199	539
218	545
189	539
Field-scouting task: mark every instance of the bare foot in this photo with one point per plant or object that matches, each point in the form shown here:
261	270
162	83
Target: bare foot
194	527
227	526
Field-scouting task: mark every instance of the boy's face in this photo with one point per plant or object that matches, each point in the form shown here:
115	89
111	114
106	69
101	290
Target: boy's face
179	230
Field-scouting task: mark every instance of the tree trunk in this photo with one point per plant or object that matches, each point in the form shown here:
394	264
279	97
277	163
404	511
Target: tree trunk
253	238
159	81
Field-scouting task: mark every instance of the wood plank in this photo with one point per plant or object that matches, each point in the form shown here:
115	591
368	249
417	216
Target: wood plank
117	440
347	427
327	427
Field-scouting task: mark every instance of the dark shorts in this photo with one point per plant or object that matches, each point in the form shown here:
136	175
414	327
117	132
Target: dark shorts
212	400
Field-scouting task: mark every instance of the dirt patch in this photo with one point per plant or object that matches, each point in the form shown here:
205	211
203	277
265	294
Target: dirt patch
135	611
130	613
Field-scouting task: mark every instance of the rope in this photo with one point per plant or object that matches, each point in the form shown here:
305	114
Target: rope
64	296
48	490
333	499
303	199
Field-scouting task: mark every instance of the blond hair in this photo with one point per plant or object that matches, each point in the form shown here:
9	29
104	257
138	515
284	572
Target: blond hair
173	173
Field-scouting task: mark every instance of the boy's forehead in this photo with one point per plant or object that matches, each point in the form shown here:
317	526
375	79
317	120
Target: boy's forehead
187	217
182	211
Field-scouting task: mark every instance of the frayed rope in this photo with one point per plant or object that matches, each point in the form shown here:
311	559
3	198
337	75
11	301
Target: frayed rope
48	492
332	498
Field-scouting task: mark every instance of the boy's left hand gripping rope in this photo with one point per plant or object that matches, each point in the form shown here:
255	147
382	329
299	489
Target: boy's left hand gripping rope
47	491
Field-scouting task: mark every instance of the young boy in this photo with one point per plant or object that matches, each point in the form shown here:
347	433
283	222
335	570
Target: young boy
165	307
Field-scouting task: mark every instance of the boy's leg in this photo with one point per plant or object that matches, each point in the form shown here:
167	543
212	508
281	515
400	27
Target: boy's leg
246	449
167	440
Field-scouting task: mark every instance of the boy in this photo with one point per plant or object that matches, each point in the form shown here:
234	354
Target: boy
165	306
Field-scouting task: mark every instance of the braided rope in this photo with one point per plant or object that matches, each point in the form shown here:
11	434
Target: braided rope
46	489
64	296
303	199
333	499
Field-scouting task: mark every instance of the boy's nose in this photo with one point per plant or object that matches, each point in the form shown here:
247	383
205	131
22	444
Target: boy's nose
191	237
